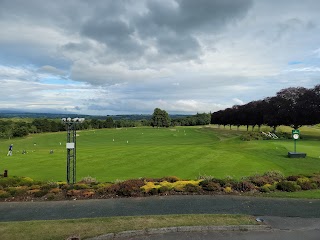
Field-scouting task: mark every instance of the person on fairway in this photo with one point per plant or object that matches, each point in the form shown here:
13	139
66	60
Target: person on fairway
10	150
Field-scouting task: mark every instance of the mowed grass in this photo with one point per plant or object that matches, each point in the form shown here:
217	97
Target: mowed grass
185	152
92	227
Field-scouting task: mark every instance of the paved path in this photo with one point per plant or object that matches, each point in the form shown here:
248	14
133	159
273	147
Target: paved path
19	211
282	228
270	235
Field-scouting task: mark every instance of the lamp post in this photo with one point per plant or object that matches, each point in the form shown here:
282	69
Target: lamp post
71	147
295	136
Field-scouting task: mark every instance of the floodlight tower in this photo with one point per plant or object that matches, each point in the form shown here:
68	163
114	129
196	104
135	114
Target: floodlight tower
71	147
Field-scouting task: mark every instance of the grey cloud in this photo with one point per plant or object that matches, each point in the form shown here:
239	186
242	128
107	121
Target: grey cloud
292	25
96	107
176	26
59	13
116	34
52	70
140	51
22	53
128	29
74	47
171	25
119	106
186	15
183	47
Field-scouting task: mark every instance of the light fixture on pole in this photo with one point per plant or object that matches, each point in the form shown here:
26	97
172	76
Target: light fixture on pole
296	136
71	147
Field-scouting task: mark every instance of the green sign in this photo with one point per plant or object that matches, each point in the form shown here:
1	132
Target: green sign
295	134
295	131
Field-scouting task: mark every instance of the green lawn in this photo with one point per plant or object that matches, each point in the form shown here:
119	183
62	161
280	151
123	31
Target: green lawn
310	194
92	227
186	152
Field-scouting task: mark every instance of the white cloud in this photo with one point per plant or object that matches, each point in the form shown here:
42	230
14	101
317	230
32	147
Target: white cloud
132	56
305	69
238	101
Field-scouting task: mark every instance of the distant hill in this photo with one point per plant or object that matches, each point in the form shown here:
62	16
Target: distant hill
17	113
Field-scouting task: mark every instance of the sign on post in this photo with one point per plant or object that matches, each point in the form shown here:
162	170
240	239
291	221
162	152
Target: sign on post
295	137
70	145
295	134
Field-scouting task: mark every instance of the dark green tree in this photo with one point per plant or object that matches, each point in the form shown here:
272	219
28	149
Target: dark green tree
109	123
160	118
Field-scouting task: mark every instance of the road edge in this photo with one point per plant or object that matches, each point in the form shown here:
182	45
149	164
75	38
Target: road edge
151	231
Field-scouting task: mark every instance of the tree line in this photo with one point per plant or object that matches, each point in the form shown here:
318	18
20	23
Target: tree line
160	118
10	128
294	106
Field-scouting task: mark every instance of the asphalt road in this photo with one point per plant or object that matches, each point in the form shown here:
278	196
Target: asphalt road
283	228
270	235
23	211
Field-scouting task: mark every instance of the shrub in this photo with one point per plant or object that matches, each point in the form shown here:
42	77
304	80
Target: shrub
50	196
316	179
170	179
210	186
87	194
61	184
40	193
305	183
55	190
26	181
273	187
260	180
179	186
101	185
154	191
248	136
274	175
17	191
228	181
101	188
9	181
152	179
264	188
79	186
288	186
113	189
205	177
127	188
266	178
244	186
73	193
293	178
149	186
284	135
163	189
227	189
166	184
49	185
4	194
191	188
35	187
267	188
88	180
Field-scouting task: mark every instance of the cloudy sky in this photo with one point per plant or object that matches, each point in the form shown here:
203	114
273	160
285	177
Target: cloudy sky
131	56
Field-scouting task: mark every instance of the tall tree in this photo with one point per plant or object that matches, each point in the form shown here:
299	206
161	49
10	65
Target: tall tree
109	123
160	118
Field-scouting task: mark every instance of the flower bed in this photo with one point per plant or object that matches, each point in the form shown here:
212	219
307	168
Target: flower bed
27	189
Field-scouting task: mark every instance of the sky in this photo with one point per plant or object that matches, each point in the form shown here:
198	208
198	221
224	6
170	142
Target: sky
107	57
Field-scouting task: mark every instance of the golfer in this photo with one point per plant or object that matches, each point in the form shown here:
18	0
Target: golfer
10	150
